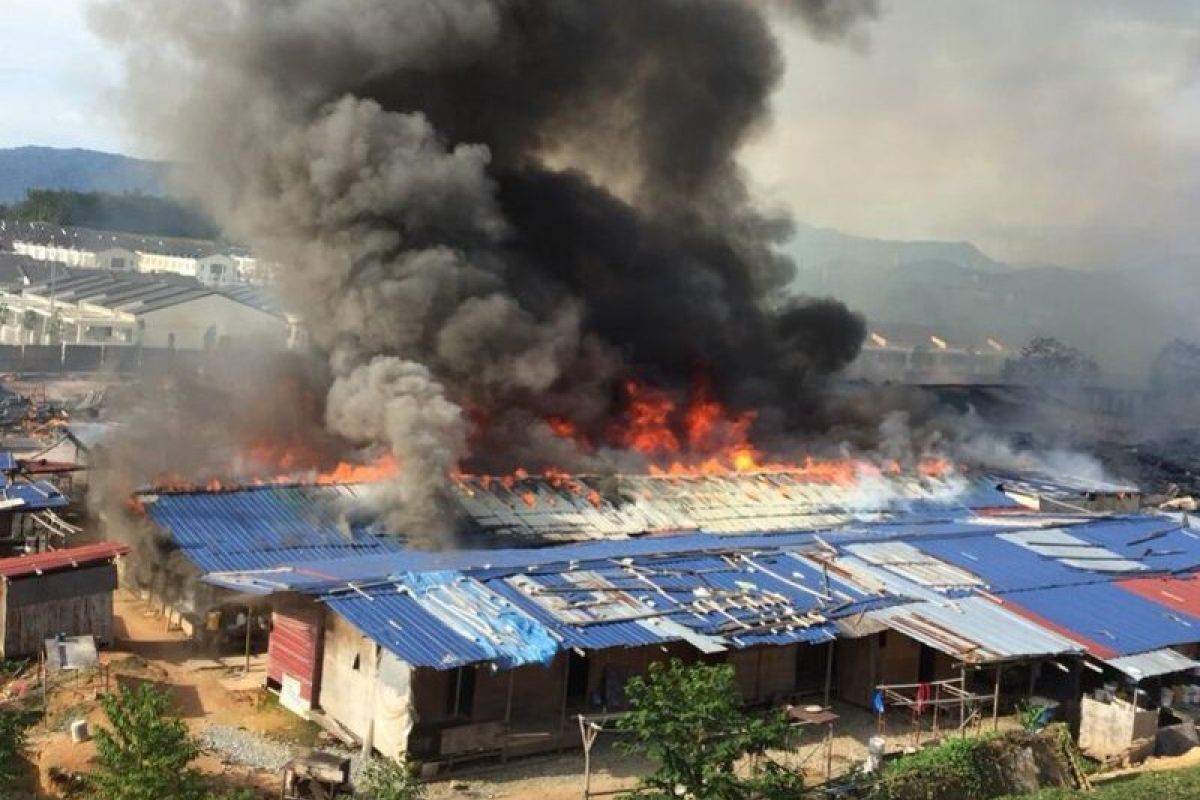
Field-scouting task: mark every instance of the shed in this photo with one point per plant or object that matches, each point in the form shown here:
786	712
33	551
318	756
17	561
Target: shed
65	591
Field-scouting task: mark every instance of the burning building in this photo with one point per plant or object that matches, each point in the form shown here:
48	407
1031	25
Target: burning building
483	652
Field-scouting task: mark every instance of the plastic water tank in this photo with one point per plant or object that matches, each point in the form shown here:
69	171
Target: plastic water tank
875	749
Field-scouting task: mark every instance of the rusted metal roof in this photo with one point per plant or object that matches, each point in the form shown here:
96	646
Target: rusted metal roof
974	630
83	555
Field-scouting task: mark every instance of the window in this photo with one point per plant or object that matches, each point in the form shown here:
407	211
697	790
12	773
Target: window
356	665
117	263
577	677
460	692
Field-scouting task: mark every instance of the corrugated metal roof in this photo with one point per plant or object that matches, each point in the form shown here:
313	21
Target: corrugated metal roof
1152	664
262	527
1159	542
715	600
1073	551
33	496
1105	618
974	630
907	561
1180	592
317	575
60	559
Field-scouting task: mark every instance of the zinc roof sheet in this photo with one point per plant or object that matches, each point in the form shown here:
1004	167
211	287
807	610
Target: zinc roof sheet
909	562
1178	592
717	600
974	630
1159	542
34	496
18	566
1153	664
261	527
324	573
1105	618
1003	565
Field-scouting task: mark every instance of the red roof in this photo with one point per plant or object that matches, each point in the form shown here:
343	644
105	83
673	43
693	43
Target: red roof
1177	593
58	559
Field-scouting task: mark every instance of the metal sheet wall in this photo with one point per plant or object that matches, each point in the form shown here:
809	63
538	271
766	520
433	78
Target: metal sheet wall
294	649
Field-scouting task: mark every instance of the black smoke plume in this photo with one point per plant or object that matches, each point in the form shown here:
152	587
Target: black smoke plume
494	211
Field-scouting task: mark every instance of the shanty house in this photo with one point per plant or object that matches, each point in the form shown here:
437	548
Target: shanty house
65	591
446	655
493	651
192	533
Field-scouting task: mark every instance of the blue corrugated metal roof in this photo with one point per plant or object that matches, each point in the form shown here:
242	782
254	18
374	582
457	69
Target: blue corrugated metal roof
1107	619
1161	543
316	575
1004	565
732	598
33	496
261	527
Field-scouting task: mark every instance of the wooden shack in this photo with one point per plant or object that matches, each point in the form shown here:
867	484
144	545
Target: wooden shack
66	591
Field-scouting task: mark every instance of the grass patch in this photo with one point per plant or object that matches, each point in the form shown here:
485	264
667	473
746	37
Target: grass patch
289	728
1181	784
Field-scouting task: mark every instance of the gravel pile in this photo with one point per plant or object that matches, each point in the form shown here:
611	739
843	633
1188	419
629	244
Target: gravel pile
253	750
245	748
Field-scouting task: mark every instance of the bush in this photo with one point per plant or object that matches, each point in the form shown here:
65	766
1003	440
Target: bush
13	725
960	769
146	753
391	780
688	720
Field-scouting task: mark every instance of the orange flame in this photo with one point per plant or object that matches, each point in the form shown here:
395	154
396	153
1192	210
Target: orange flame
704	438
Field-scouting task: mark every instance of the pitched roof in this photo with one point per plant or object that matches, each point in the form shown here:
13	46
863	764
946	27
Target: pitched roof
83	555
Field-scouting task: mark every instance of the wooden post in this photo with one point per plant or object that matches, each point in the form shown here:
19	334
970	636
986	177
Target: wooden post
962	699
758	674
828	672
43	668
587	735
937	704
996	699
562	714
508	700
507	716
829	753
249	618
368	741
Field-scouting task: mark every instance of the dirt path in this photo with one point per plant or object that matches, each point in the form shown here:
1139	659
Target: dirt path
144	650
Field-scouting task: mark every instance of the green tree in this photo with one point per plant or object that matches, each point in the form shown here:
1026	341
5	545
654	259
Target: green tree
13	737
689	721
391	780
146	752
1048	360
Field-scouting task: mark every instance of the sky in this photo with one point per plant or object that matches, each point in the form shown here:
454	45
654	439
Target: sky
1044	131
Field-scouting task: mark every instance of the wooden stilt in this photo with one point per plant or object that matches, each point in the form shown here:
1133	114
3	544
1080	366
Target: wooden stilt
996	700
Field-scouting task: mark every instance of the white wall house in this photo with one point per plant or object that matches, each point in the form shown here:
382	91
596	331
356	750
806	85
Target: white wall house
96	307
212	263
117	259
208	321
69	255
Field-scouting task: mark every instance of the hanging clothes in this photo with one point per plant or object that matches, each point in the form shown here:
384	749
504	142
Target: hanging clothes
924	693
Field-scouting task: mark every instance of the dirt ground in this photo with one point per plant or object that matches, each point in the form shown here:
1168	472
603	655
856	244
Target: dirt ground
211	693
145	650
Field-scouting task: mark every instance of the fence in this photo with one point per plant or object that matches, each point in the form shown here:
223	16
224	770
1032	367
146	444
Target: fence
56	359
